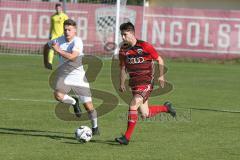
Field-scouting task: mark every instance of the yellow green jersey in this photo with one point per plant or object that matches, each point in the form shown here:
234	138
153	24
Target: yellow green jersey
57	21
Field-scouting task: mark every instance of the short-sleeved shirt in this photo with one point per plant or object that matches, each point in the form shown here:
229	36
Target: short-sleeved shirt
73	71
75	45
57	21
138	60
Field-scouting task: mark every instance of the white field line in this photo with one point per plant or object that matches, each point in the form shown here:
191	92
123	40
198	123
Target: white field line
120	104
38	100
28	100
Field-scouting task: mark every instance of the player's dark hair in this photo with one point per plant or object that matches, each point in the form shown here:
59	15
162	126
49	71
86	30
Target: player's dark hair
58	5
128	26
69	22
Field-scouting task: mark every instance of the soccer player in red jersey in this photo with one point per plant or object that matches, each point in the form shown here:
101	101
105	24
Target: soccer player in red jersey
137	59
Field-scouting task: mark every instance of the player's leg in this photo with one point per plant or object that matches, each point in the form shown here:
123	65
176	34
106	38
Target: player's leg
92	115
65	98
150	111
166	107
136	101
46	50
144	109
84	94
61	91
50	58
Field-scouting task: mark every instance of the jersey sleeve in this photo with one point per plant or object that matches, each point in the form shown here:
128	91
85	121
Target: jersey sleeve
78	46
151	50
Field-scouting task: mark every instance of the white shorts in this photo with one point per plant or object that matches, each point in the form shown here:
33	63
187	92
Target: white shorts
76	82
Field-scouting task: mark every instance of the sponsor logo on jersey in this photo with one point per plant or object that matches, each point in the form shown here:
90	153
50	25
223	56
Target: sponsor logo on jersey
135	60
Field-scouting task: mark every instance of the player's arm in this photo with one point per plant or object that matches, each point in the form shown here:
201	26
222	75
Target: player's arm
123	73
161	71
160	62
123	76
45	54
72	56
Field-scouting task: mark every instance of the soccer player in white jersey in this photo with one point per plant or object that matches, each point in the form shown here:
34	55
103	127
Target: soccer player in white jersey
70	74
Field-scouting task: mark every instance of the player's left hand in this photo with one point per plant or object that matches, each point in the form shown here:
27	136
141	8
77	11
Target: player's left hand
161	81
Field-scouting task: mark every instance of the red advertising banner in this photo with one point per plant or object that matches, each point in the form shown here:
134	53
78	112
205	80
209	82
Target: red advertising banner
27	24
207	33
173	32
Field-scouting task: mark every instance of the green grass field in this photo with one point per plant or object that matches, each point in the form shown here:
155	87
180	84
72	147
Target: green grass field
206	97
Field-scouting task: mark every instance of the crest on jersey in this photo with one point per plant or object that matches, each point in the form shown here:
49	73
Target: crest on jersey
140	51
105	19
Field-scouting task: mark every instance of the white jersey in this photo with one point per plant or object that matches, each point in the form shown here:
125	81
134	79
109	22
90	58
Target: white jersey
75	45
72	70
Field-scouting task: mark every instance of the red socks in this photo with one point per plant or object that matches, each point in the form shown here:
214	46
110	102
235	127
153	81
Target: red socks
132	120
154	110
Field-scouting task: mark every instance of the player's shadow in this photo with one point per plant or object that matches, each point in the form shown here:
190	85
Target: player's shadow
108	142
36	133
51	135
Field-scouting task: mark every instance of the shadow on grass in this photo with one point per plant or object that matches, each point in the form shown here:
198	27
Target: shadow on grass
51	135
108	142
36	133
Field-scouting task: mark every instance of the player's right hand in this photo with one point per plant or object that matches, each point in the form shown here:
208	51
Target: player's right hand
122	88
56	47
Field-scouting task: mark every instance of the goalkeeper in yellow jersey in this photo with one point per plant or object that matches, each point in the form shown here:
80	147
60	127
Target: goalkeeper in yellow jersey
56	30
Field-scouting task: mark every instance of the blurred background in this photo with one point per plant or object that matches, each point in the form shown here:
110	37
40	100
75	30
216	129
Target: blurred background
176	28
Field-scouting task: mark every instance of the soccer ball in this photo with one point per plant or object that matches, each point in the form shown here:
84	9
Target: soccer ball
83	134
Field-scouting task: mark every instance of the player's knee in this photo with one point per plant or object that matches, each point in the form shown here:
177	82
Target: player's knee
144	115
133	107
58	96
136	101
88	106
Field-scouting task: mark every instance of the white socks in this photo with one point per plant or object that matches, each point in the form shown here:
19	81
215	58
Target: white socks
93	117
69	100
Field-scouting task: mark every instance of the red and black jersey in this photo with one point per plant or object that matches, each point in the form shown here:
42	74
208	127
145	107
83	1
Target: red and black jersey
138	60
